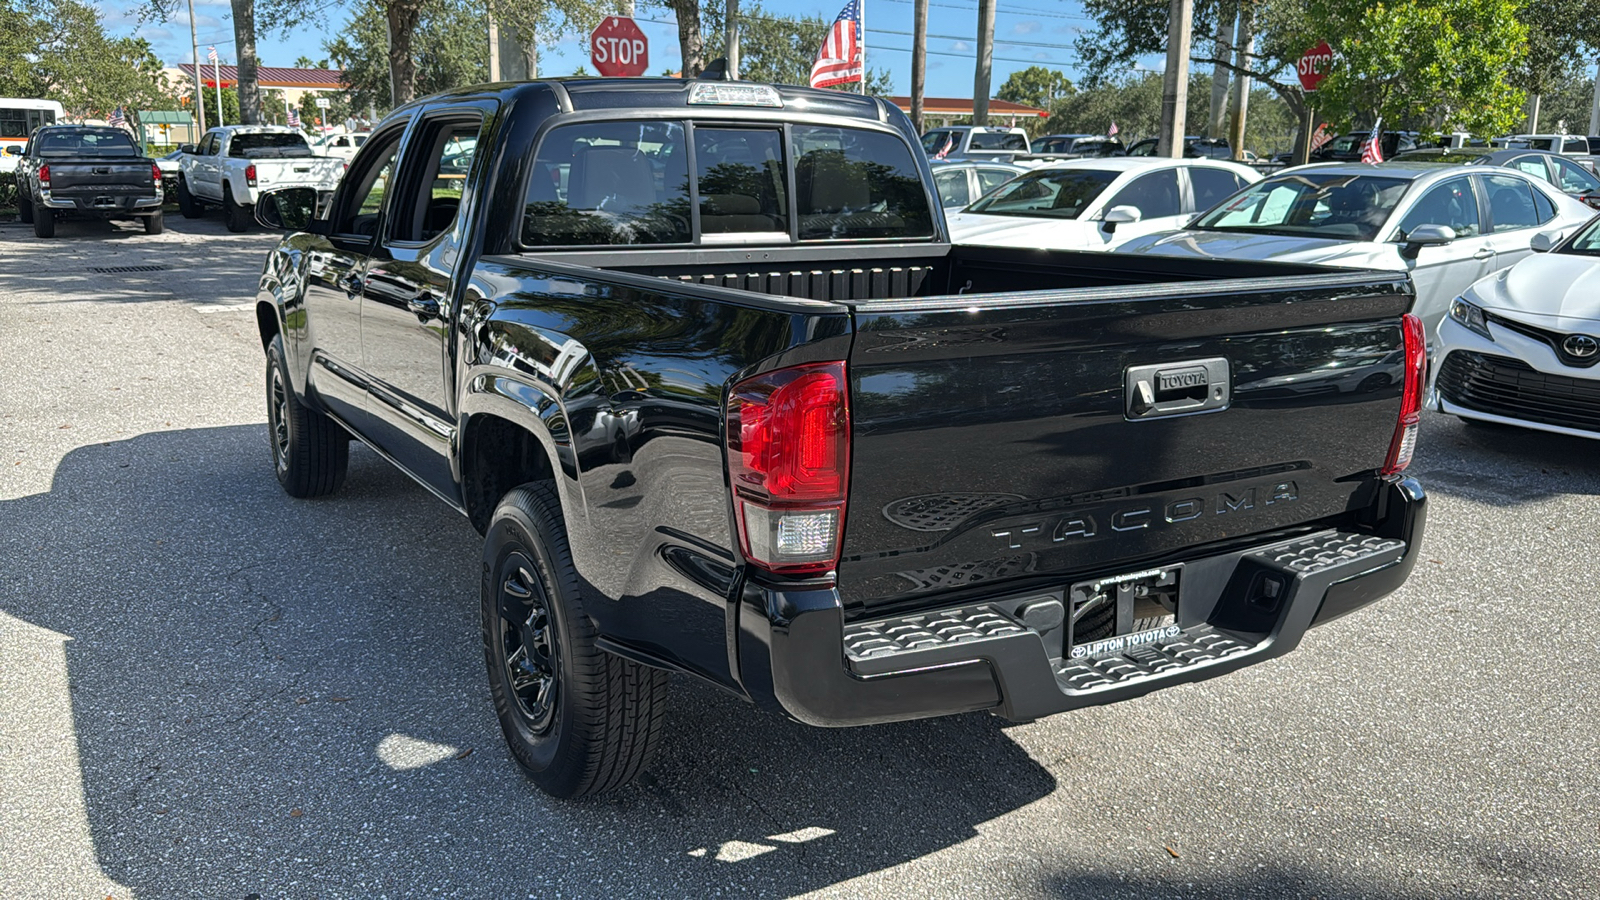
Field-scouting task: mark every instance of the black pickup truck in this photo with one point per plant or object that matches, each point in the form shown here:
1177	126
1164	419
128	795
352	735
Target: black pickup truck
698	360
87	171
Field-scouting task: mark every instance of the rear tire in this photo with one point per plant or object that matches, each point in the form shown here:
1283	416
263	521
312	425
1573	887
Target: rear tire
236	217
155	224
310	451
44	223
187	204
24	210
576	718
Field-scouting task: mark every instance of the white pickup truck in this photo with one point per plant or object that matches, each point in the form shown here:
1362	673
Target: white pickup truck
231	165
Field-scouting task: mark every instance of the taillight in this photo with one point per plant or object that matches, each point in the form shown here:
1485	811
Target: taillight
44	177
155	172
789	464
250	175
1405	429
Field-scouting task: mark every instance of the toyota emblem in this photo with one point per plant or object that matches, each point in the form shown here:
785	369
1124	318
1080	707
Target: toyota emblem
1580	346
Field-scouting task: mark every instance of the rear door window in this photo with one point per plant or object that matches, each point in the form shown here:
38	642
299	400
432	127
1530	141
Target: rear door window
989	179
857	184
1212	186
1448	203
1510	203
1575	179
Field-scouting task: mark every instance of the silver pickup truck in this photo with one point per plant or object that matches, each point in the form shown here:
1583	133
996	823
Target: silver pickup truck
231	165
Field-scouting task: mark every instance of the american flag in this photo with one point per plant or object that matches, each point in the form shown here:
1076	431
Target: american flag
1112	131
294	117
839	60
211	54
1370	151
117	119
949	143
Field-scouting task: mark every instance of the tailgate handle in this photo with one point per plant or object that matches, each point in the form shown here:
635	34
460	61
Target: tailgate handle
1176	389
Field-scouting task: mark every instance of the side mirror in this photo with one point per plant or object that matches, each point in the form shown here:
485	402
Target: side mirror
186	148
1545	241
289	209
1426	236
1120	215
13	150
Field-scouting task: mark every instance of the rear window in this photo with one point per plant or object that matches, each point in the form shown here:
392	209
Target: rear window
86	143
625	183
268	145
998	141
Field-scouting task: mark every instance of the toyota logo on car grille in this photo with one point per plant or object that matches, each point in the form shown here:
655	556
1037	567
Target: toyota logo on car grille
1581	346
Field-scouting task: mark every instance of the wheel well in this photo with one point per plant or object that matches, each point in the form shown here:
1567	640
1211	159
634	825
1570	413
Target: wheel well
266	323
496	456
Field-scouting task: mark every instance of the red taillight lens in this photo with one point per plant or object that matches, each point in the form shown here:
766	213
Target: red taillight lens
789	465
44	176
155	172
1404	441
250	175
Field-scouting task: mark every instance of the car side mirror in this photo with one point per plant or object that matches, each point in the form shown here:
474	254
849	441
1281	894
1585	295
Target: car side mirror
1120	215
289	209
1426	236
186	148
13	150
1545	241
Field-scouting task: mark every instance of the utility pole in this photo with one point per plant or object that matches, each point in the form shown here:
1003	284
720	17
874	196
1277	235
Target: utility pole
1219	76
1175	82
1594	109
919	61
985	66
199	89
1533	114
1244	42
494	48
732	38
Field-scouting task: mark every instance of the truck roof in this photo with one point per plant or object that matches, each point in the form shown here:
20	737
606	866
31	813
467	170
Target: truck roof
577	94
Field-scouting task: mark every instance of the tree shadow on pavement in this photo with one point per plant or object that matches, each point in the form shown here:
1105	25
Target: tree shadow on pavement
286	698
1502	465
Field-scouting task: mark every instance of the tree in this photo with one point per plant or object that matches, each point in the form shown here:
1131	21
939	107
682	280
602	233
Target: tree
450	50
777	49
244	43
690	43
1035	86
59	50
1559	31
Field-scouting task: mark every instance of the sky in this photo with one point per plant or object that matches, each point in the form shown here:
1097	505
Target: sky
1027	33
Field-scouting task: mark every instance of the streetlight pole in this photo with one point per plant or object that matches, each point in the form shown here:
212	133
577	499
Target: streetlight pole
1594	109
199	89
1175	82
985	67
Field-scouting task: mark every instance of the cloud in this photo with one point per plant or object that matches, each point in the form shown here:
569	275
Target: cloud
1029	27
960	46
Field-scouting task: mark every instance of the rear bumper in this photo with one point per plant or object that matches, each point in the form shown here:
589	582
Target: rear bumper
104	205
797	654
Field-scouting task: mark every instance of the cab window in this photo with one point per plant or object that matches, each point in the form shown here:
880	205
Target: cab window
740	176
856	184
448	142
361	195
608	183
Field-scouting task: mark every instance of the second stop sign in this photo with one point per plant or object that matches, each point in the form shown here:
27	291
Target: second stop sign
618	48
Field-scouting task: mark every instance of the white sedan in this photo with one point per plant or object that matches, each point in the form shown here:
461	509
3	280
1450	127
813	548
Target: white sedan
1447	226
1096	204
1522	347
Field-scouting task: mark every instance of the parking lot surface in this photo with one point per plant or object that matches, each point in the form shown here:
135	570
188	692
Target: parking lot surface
208	689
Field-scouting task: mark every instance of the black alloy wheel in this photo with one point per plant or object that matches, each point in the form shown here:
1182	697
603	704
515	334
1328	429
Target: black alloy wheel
529	647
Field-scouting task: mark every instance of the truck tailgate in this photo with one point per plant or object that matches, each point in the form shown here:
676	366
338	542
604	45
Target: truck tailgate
999	438
109	177
298	172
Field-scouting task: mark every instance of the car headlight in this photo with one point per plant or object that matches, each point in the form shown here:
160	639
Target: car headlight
1471	316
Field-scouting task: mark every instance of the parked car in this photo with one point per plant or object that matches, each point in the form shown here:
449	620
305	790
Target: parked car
1566	144
1347	147
342	146
169	165
1447	226
860	476
1522	347
232	164
1562	171
1193	148
86	170
1096	204
975	142
1077	145
960	183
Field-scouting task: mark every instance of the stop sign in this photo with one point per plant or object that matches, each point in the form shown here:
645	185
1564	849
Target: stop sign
618	48
1314	65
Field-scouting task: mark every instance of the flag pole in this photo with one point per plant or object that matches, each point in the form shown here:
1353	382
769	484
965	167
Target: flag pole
216	72
863	47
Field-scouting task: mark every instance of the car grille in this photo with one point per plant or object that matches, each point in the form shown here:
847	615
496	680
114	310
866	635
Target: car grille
1551	339
1510	387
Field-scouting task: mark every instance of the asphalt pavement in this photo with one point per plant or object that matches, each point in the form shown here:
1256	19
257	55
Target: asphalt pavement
208	689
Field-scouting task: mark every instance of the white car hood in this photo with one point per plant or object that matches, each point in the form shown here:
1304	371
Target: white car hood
1278	248
1559	291
1017	231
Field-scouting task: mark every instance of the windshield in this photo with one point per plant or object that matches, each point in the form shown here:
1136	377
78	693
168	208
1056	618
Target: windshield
997	141
1059	194
268	144
105	142
1340	206
1587	241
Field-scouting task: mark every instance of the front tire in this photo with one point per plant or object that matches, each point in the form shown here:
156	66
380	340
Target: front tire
237	217
577	719
310	451
44	223
187	204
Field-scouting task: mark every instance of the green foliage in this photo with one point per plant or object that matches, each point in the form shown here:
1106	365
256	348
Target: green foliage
450	49
58	49
1035	86
776	49
1566	99
1133	101
1558	33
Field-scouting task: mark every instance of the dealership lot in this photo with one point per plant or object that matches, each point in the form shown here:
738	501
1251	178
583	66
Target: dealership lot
208	689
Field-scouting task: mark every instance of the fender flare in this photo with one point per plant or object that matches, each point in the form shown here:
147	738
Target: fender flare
531	408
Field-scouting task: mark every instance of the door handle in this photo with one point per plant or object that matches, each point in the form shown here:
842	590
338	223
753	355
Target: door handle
1483	253
425	305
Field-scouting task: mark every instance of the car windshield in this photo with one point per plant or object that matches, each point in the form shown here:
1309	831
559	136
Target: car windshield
1059	194
269	144
1587	241
982	140
61	144
1341	206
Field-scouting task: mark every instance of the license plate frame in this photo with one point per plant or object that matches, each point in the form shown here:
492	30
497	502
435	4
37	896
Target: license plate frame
1121	612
